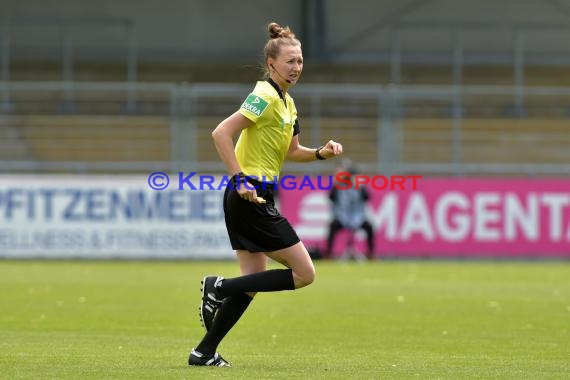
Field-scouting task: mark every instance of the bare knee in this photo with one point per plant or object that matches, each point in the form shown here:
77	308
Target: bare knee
304	277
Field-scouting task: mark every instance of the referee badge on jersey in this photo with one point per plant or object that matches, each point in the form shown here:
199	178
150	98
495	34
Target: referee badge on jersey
254	104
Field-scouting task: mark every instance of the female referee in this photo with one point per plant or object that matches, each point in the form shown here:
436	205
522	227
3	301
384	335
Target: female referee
268	130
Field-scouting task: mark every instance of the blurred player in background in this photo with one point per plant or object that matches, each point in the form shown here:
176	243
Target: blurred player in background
268	130
349	210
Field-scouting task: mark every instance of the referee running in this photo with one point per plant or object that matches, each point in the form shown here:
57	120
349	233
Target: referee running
268	130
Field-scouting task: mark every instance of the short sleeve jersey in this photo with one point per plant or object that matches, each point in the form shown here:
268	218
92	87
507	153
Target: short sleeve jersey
262	148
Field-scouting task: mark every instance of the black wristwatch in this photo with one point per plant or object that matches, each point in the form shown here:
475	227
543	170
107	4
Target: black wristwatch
318	153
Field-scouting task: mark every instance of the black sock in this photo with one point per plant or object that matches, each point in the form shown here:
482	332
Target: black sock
267	281
226	317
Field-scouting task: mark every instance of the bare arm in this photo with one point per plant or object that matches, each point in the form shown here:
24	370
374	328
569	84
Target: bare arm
300	153
223	139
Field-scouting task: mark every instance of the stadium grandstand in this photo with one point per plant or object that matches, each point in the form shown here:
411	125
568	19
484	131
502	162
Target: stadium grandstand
477	90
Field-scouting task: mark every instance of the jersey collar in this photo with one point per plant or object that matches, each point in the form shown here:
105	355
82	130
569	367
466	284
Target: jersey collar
276	87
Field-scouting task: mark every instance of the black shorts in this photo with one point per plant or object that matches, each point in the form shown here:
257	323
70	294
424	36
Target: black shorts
257	227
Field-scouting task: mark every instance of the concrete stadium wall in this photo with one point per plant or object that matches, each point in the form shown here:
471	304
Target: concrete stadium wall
347	21
167	30
181	29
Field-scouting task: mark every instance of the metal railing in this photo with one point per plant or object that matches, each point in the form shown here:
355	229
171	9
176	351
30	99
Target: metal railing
68	28
396	54
518	54
432	130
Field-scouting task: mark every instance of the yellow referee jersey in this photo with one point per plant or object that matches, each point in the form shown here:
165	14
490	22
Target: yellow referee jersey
261	149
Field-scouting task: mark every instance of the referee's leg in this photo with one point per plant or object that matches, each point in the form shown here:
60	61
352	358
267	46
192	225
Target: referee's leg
297	259
300	272
234	306
250	263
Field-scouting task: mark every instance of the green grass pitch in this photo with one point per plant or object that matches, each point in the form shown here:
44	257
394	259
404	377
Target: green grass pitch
384	320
